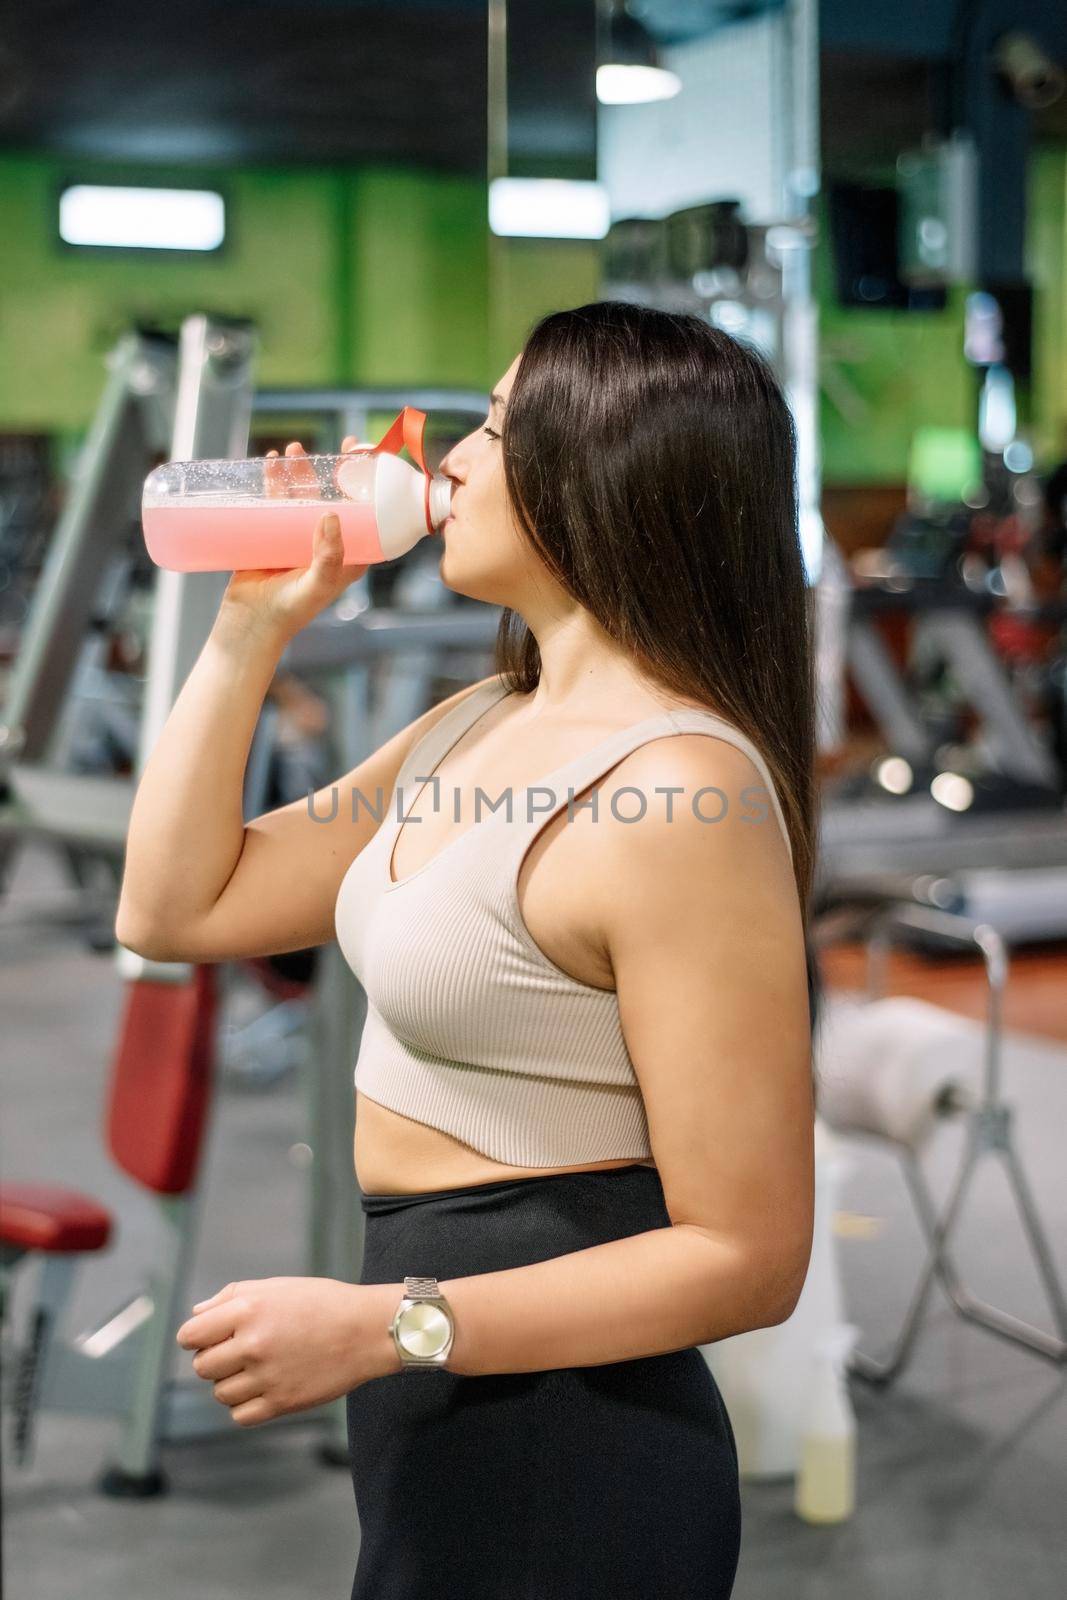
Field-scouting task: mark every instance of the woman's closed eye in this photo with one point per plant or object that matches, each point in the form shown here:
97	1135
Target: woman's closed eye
491	432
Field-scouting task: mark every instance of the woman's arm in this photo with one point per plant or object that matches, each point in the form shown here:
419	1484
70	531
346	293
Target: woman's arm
702	926
199	884
641	1296
187	838
186	827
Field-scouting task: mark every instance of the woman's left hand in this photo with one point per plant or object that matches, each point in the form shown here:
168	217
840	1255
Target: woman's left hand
273	1345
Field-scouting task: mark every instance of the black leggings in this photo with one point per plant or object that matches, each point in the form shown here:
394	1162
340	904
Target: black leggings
615	1480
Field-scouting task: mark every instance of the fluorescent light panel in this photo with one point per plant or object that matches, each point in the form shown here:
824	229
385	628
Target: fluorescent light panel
142	219
548	208
620	85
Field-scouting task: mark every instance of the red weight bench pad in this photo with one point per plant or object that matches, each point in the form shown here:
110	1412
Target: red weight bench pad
57	1221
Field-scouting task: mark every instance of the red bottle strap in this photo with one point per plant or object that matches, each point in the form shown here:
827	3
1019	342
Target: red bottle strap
408	430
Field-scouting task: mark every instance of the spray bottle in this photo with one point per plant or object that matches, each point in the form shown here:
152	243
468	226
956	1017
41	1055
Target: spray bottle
826	1479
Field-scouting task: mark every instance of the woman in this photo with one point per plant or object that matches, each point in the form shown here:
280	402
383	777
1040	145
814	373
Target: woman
584	1103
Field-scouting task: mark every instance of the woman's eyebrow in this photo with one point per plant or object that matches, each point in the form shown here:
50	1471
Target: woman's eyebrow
495	400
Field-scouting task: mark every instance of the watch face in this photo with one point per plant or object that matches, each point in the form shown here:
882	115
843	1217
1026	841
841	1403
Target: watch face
423	1329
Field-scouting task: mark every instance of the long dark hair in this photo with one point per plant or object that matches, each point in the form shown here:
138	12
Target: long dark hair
650	460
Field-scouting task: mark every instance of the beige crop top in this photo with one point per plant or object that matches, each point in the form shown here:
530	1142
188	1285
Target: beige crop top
470	1028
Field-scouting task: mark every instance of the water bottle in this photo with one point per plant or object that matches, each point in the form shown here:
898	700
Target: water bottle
261	514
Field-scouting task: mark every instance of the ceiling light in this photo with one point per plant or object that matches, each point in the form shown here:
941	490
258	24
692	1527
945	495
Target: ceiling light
141	219
549	208
630	72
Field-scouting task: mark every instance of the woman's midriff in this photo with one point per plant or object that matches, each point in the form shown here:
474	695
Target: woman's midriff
396	1155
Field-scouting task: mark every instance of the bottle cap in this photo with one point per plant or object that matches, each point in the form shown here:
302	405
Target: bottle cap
408	429
440	498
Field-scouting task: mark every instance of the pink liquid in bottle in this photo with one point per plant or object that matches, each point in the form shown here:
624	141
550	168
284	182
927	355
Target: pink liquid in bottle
212	535
247	515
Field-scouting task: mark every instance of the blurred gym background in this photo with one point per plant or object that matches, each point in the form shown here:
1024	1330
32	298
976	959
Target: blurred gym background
230	226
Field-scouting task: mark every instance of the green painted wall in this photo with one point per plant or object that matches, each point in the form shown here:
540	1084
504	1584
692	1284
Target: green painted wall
885	373
882	375
420	278
381	274
1048	266
529	278
368	275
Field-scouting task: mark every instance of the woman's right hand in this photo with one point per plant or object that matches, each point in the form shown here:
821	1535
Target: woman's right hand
278	603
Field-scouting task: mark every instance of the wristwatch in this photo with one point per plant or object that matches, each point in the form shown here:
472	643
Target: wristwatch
423	1326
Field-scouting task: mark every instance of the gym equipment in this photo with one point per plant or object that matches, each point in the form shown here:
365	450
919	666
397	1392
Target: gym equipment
989	1119
157	1113
987	823
947	628
171	1015
137	1338
206	394
203	387
260	1050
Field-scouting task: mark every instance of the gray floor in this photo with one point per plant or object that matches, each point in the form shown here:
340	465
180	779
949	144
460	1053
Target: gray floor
962	1465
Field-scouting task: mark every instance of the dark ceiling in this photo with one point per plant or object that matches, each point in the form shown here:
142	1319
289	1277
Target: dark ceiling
321	81
328	81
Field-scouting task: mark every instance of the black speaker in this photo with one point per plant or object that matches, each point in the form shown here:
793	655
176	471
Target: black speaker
864	232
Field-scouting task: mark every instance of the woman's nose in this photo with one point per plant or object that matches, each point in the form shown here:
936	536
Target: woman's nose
451	464
456	461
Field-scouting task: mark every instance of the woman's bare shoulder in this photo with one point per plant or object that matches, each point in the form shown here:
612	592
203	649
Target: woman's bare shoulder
686	802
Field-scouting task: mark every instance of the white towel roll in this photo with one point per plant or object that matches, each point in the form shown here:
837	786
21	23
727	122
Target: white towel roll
892	1066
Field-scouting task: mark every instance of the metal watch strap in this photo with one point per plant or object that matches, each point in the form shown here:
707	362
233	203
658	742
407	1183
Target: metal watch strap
423	1288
